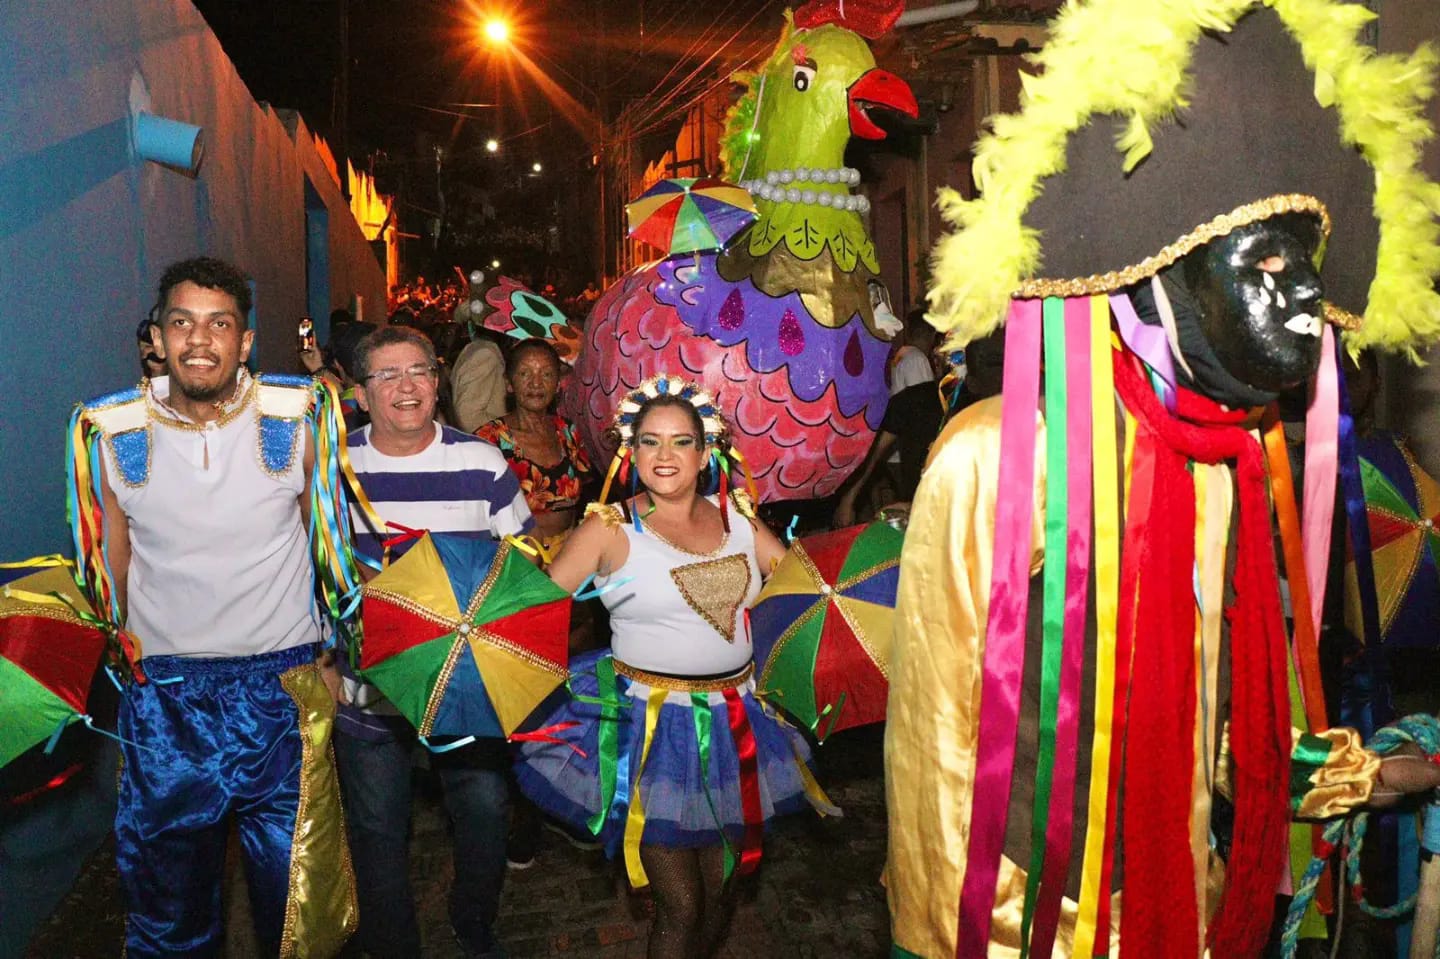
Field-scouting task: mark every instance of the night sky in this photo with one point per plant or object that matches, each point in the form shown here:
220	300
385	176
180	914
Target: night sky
426	93
414	62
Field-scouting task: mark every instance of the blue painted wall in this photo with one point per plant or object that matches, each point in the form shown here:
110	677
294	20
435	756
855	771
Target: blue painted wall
86	226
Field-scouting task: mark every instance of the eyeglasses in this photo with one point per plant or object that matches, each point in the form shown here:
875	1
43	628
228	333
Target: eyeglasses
415	374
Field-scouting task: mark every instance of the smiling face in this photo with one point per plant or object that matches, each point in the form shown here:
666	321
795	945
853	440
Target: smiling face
399	392
669	449
203	340
1259	296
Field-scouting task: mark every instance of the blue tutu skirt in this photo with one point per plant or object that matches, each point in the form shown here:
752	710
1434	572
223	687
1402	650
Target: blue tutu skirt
682	806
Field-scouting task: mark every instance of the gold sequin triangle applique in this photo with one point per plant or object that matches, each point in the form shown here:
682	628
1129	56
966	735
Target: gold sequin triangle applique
715	589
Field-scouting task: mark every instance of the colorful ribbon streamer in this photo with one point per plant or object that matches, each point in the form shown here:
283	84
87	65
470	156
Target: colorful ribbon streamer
48	561
1004	656
635	818
1060	829
1107	585
1057	509
747	752
1139	486
607	739
548	734
1305	647
1322	427
333	484
704	723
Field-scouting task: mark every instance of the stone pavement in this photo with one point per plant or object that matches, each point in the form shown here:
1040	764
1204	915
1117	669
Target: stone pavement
817	892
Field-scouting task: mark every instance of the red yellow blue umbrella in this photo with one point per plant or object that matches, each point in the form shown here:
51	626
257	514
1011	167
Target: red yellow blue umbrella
50	647
690	215
465	636
1402	506
822	627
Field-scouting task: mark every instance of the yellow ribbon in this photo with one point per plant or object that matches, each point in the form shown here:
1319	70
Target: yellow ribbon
745	469
39	599
635	818
372	516
83	615
38	562
813	792
531	546
1107	591
620	456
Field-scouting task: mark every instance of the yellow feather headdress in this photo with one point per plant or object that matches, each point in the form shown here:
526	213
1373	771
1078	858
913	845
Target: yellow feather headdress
1132	59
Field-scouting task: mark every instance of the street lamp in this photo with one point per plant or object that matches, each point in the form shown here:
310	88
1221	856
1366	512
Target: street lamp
497	31
536	166
491	145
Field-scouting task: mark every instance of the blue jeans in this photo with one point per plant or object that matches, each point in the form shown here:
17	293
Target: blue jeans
375	780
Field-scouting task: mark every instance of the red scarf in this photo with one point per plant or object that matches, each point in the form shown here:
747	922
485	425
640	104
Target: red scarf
1160	915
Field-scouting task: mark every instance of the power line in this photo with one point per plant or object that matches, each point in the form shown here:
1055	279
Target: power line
651	110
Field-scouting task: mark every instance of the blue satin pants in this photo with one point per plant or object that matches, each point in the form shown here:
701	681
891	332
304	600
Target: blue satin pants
213	738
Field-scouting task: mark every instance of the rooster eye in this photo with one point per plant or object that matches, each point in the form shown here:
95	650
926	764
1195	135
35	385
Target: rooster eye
804	76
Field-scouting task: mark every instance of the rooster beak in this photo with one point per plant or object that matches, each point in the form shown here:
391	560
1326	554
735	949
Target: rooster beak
878	88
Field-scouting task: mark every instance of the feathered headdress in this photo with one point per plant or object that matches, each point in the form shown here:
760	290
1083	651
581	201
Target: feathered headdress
721	453
1072	205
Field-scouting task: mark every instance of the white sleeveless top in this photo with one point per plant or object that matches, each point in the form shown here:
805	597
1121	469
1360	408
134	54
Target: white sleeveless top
219	557
683	613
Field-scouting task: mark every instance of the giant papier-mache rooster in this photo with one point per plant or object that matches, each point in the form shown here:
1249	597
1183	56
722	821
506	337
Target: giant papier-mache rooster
779	327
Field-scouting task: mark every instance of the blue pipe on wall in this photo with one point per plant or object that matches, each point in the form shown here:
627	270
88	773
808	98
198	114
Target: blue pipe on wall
169	141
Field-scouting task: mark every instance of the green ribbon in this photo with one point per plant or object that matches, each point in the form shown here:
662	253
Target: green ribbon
608	736
832	710
704	721
1053	615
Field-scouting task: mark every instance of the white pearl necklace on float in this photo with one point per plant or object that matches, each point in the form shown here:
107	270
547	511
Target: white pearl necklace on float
777	187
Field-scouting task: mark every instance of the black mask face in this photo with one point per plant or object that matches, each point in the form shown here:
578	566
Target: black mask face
1259	302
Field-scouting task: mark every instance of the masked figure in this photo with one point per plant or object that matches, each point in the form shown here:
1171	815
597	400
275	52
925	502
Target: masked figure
1092	674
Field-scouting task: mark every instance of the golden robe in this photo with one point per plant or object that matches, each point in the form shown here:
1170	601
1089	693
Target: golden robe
936	672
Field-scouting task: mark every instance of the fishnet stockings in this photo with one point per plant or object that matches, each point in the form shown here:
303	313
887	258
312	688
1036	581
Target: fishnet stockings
692	907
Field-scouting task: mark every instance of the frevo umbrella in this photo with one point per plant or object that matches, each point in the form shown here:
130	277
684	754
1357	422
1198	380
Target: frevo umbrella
50	647
690	215
822	627
465	636
1402	506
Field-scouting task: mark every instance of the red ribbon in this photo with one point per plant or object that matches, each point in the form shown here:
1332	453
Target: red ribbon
748	755
1259	725
405	535
724	495
56	781
1139	487
547	734
1155	823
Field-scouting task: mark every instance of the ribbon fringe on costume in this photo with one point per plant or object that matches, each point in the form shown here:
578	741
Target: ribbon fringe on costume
1151	564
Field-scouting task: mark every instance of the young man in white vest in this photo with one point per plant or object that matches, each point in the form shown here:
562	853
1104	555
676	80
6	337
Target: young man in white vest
204	479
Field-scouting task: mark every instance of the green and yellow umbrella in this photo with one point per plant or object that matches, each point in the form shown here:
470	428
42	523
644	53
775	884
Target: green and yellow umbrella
822	627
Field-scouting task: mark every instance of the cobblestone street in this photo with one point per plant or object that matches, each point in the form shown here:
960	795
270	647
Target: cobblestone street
817	892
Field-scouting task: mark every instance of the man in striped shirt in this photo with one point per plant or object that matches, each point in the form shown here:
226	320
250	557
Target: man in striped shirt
422	475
